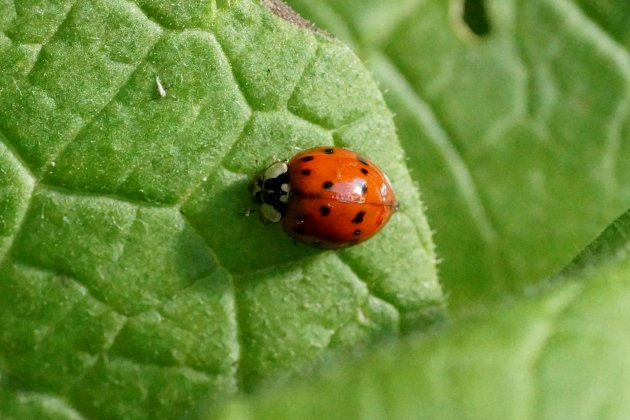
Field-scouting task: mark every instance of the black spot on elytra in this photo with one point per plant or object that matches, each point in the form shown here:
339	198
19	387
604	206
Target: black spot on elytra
329	151
307	158
325	211
359	217
357	232
364	171
327	185
364	189
306	172
362	160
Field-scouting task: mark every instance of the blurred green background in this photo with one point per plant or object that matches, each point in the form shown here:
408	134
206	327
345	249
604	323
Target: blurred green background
515	120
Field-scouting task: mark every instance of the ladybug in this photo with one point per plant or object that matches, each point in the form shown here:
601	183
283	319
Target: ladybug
329	197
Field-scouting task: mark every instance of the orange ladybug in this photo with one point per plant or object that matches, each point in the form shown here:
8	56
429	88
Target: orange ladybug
329	197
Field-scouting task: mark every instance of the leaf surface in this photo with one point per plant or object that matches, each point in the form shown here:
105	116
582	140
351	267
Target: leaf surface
559	353
132	285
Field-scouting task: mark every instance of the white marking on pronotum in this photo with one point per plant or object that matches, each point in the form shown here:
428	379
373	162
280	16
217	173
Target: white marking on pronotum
160	87
286	188
276	170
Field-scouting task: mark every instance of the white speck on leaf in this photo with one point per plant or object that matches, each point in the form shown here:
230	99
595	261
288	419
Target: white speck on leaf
363	320
160	87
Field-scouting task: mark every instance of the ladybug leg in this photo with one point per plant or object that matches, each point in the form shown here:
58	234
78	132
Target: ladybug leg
263	219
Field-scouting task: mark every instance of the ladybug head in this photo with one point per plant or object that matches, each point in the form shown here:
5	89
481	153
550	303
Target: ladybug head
271	190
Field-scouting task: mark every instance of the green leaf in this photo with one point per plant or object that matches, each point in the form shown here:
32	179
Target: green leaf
559	353
518	137
132	284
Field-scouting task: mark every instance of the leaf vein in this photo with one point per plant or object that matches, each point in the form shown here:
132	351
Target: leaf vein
74	279
441	140
543	345
371	290
53	403
47	40
86	123
239	375
230	65
114	197
26	205
592	30
182	369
